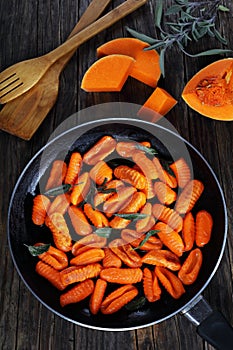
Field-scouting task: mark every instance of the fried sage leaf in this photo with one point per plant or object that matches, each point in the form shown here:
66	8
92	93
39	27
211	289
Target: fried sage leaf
103	188
145	149
133	216
55	191
104	232
136	304
148	235
35	251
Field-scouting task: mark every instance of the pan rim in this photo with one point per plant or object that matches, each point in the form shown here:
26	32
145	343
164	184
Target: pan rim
96	123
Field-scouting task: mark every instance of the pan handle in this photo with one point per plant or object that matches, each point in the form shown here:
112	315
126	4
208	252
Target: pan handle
211	325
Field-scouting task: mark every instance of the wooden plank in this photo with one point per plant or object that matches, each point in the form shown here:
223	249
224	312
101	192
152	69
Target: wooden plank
166	335
145	338
88	339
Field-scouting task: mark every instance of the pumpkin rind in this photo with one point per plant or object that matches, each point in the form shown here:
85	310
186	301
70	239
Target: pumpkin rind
219	69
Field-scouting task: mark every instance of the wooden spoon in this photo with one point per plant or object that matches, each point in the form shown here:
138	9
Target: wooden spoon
22	76
23	115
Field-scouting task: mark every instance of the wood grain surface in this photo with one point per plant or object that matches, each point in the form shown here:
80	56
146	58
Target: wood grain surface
33	27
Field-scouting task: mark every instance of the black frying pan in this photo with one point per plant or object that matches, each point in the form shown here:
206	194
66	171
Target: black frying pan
170	145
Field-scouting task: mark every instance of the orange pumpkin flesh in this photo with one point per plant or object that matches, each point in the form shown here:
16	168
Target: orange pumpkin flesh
146	67
122	46
107	74
210	91
158	104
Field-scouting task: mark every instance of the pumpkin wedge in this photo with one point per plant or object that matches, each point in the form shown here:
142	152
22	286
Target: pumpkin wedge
159	103
146	67
210	91
107	74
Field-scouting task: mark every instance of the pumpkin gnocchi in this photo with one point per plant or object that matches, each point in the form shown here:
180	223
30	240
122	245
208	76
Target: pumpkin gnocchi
106	231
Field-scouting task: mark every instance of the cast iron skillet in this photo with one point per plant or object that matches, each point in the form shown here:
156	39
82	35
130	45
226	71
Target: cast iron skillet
21	230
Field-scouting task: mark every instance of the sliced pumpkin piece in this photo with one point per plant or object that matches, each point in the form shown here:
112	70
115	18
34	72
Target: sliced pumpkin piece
146	67
123	46
158	104
107	74
210	91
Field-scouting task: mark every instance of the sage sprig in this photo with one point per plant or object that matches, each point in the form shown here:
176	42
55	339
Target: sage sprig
194	20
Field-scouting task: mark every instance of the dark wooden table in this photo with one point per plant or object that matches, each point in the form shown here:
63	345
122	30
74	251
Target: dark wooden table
31	28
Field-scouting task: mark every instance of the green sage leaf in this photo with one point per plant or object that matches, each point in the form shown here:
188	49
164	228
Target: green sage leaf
55	191
164	36
186	15
174	9
203	31
182	2
136	304
145	149
195	34
187	38
104	182
104	232
175	28
103	188
161	61
158	13
209	52
141	36
133	216
223	8
156	46
209	31
148	235
107	190
219	37
40	249
204	24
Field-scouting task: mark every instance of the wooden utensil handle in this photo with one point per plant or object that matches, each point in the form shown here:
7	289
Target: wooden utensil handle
91	14
94	10
104	22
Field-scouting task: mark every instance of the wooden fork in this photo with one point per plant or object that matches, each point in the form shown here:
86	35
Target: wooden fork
20	77
23	115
